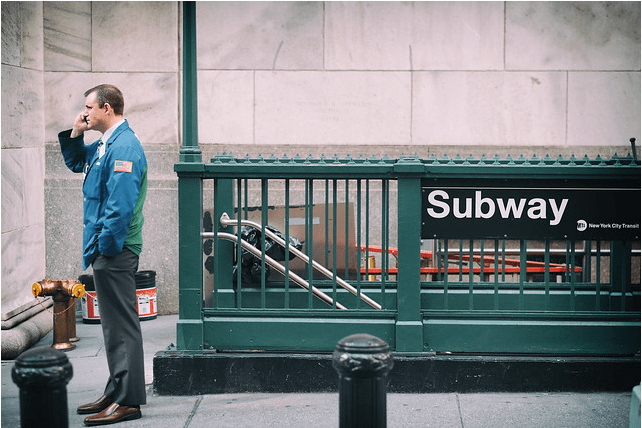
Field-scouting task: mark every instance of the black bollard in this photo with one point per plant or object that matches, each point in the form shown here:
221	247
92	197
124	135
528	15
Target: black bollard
363	362
42	375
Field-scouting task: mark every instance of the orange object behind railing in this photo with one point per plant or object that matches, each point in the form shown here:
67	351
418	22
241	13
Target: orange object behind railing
513	267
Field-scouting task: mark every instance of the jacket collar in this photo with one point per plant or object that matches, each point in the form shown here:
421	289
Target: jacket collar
113	132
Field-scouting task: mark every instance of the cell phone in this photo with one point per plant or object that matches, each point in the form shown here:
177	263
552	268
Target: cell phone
85	119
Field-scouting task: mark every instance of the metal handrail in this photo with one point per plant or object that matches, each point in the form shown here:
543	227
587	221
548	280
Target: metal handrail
226	221
278	266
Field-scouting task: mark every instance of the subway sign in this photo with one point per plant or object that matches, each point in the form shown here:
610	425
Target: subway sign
531	211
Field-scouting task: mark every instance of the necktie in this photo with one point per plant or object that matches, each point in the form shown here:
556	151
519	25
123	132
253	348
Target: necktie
101	148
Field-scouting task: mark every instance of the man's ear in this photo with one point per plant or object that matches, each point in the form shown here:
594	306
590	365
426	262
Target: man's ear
107	108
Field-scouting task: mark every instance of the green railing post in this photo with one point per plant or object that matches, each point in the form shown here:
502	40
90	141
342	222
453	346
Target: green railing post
190	152
409	327
189	329
189	333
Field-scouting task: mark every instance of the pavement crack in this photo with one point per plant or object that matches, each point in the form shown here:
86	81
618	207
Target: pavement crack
461	418
193	412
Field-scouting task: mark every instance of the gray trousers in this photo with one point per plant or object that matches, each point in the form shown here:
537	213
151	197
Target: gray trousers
116	291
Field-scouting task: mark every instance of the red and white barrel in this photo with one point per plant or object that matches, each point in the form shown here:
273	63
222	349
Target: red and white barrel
146	293
145	297
89	302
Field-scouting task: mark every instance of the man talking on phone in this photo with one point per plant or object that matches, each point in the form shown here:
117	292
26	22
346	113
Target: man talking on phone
114	189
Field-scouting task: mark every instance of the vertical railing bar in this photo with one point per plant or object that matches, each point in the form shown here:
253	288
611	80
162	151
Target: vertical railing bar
309	240
566	262
446	273
264	222
586	268
547	275
246	202
628	282
384	253
496	291
522	271
358	239
327	220
239	247
326	233
334	235
503	260
347	231
367	257
388	235
598	291
306	233
481	260
626	274
470	274
572	275
610	284
623	262
286	283
215	225
598	262
439	256
334	247
384	258
461	260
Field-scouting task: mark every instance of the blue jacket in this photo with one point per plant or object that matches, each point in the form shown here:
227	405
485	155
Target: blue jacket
114	191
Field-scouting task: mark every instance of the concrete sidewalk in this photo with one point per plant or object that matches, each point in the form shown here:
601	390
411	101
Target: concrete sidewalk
542	409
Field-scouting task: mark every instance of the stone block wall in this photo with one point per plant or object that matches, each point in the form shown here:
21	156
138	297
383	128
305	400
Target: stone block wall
305	78
419	74
23	154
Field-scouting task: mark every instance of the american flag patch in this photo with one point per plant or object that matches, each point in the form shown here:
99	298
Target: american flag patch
122	166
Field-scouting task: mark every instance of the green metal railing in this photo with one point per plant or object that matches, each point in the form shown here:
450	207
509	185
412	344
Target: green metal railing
440	278
360	220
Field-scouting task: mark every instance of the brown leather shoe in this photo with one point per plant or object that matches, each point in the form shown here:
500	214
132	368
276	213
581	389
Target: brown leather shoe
97	406
114	413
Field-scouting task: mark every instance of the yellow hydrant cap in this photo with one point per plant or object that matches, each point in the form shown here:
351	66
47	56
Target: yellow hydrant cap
78	290
36	289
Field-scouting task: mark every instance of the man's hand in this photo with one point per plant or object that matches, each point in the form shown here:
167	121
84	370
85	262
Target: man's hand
80	125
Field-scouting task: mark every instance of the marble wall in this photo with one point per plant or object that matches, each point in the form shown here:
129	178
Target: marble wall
23	154
309	78
421	74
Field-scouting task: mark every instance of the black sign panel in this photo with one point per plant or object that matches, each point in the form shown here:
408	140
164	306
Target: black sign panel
609	213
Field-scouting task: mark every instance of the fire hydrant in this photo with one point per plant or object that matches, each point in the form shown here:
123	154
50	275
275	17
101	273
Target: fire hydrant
64	293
